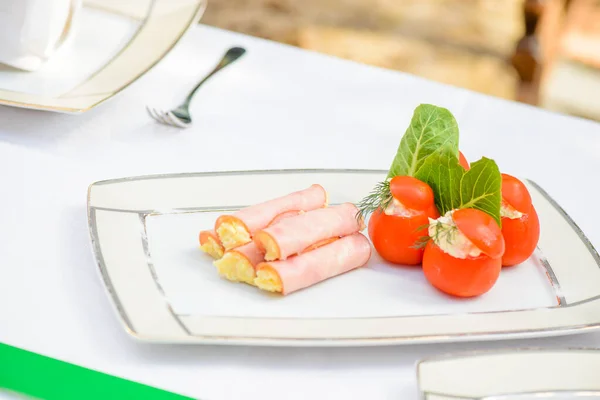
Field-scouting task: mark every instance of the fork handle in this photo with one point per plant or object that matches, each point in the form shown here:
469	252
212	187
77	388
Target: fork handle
230	56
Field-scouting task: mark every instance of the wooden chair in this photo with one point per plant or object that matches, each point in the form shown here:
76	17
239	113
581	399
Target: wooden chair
542	20
558	57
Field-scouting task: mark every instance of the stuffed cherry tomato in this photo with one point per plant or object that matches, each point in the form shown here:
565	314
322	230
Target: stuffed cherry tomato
397	230
463	258
520	223
462	160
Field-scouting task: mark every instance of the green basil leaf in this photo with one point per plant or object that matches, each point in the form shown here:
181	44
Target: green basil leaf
443	173
453	187
432	129
481	188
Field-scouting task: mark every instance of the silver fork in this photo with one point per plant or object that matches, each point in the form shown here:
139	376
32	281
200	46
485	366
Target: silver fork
180	116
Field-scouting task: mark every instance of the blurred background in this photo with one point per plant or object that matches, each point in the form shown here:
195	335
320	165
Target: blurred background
542	52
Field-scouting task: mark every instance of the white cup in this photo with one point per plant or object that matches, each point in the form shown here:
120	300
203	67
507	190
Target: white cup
31	31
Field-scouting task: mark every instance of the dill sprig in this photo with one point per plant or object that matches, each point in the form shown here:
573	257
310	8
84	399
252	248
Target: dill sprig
379	198
444	232
441	232
421	242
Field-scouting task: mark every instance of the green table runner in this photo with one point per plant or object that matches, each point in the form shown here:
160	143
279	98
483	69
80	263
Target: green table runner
43	377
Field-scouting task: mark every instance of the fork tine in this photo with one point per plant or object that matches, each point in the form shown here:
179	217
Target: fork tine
171	118
150	111
176	121
155	114
164	119
160	117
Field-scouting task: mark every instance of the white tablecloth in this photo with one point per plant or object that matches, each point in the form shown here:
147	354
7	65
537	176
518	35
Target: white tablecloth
278	107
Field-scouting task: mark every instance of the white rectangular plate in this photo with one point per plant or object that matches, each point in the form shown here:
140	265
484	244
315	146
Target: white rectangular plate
113	44
145	236
520	374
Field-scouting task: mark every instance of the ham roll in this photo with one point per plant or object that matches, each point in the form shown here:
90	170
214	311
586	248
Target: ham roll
294	235
238	264
238	228
307	269
210	244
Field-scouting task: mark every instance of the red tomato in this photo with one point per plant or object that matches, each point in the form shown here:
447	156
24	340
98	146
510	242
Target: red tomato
481	229
461	277
411	192
396	237
515	193
521	235
470	276
463	161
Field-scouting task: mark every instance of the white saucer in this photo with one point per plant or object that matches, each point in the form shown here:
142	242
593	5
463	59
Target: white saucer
114	44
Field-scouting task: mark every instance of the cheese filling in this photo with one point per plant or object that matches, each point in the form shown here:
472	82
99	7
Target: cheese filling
213	248
227	267
446	236
508	211
233	234
267	279
236	268
398	209
245	271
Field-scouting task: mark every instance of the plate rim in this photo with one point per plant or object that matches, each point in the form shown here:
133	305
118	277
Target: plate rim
476	353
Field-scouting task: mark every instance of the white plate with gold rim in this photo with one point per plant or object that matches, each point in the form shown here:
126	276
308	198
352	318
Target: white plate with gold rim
144	232
512	374
113	44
